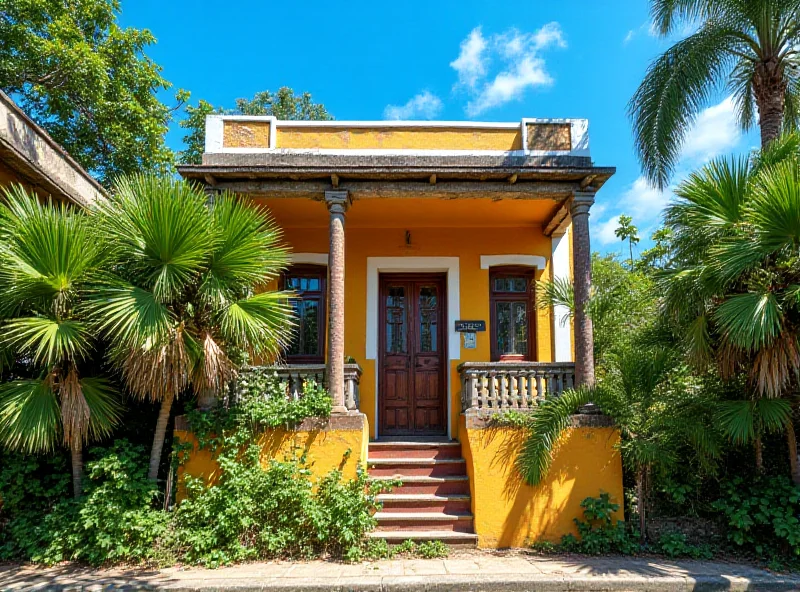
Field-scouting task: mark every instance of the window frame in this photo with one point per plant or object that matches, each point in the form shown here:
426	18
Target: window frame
529	273
320	272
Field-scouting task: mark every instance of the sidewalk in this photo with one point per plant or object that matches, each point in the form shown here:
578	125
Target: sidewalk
468	571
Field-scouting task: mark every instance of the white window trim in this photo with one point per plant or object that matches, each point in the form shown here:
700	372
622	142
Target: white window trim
489	261
309	259
449	265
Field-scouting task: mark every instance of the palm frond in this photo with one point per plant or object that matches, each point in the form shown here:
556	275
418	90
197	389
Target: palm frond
667	14
248	254
261	324
549	422
750	321
48	341
557	292
776	206
744	420
105	410
161	232
131	316
675	89
29	416
160	369
74	408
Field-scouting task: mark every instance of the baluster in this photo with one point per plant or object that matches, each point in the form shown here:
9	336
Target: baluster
540	394
570	378
485	401
297	386
513	383
492	387
509	399
473	390
349	390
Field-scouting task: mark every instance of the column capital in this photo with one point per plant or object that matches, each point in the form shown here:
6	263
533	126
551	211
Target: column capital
337	200
581	202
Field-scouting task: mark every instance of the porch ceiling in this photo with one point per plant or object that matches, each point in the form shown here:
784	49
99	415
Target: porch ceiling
415	213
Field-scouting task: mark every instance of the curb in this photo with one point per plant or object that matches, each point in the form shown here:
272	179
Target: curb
454	583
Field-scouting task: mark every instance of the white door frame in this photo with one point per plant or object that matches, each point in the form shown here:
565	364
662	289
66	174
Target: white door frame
448	265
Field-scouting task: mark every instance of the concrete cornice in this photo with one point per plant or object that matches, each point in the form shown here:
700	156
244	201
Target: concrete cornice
28	150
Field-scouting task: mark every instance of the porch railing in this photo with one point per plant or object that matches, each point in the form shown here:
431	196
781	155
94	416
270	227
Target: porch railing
292	378
496	386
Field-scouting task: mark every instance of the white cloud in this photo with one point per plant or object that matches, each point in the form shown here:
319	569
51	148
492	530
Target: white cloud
629	37
424	105
640	201
648	28
715	131
471	61
522	66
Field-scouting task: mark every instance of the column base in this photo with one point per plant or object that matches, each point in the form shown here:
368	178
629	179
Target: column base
339	410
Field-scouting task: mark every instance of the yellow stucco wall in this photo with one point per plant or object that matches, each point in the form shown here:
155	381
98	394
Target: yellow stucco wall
421	138
509	513
326	450
468	245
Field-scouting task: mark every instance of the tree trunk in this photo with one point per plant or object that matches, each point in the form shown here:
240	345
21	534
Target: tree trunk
158	439
759	455
769	87
791	440
640	504
76	452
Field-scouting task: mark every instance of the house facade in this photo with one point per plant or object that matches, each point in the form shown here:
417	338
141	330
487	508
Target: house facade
416	248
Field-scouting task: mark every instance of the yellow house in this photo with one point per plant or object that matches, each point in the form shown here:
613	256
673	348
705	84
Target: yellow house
416	250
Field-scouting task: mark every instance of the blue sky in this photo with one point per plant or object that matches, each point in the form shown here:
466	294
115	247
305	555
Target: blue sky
452	60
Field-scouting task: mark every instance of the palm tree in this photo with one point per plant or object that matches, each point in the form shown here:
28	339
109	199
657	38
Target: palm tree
733	287
658	414
50	262
184	304
626	231
748	46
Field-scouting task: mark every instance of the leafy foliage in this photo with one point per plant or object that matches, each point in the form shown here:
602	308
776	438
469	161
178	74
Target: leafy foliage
88	82
762	514
599	532
674	544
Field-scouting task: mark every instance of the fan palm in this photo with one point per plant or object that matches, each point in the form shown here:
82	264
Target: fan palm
733	287
50	262
748	46
183	305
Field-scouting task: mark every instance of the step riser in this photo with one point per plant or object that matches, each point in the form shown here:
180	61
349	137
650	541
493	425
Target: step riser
464	526
408	452
443	488
417	471
445	506
450	538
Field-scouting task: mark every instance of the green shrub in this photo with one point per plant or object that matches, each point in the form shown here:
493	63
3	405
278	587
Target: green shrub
598	532
761	515
432	550
30	487
674	544
114	520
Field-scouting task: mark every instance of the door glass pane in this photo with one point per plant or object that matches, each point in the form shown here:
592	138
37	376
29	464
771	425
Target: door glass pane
428	318
396	322
520	312
504	334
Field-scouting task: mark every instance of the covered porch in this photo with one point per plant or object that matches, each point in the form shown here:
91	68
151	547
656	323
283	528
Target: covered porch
391	248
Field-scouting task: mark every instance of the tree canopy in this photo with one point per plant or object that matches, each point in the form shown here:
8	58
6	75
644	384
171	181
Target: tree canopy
88	82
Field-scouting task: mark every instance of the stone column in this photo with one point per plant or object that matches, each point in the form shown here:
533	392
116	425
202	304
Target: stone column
337	202
582	282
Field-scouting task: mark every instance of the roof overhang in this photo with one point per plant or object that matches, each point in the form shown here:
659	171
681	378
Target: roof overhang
39	161
309	174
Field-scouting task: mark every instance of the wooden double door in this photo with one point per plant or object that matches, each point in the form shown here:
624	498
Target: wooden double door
413	357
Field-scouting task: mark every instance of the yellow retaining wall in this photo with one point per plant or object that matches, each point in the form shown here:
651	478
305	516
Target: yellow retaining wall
325	444
509	513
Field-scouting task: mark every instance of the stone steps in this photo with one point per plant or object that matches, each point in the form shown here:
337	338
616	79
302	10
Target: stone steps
433	502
